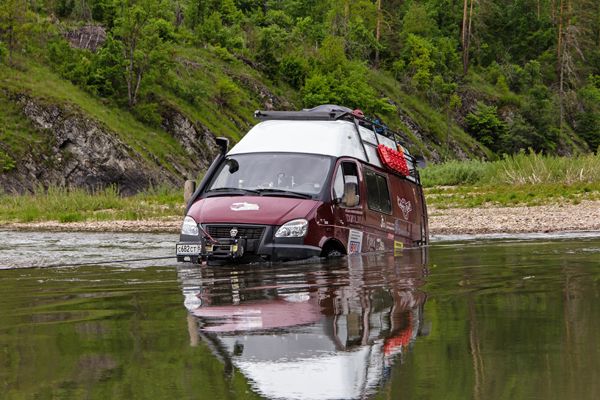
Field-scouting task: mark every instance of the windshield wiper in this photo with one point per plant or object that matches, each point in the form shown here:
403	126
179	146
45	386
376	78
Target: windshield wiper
230	190
276	192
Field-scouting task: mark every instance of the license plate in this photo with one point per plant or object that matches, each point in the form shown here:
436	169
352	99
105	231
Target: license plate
188	249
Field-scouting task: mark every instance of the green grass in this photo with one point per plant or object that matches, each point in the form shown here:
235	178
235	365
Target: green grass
17	135
45	86
522	179
74	205
518	169
508	195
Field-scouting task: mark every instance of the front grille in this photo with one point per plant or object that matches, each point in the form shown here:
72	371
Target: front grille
223	231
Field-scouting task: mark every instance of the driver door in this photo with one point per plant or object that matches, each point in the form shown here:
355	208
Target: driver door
348	209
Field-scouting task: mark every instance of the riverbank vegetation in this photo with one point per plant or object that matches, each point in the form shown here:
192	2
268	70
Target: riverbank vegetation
520	179
76	205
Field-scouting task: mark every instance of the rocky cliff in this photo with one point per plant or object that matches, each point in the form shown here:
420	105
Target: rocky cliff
82	152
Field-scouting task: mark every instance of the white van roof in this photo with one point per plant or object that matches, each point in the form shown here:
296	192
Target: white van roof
336	138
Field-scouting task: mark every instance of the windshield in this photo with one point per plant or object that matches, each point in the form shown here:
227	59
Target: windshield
271	173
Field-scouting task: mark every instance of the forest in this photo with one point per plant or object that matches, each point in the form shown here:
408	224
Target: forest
515	75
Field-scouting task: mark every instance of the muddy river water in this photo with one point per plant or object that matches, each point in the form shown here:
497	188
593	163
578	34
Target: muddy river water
483	318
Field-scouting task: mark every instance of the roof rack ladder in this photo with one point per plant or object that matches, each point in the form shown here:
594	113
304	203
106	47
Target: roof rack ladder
357	128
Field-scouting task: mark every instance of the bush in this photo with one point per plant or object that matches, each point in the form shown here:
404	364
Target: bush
3	51
148	113
7	163
293	70
453	173
227	94
485	126
344	87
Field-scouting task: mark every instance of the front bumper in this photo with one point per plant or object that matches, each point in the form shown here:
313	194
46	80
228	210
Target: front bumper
265	248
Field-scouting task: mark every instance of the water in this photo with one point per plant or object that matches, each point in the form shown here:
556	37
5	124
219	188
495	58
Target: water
480	319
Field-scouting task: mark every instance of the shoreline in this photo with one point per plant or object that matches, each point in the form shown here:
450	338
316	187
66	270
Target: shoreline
582	217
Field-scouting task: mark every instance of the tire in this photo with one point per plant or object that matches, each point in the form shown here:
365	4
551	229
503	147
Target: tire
332	250
334	253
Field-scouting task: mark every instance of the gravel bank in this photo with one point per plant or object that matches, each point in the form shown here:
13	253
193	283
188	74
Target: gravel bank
550	218
584	216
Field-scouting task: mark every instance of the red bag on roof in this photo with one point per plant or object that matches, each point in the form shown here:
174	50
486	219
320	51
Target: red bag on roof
393	159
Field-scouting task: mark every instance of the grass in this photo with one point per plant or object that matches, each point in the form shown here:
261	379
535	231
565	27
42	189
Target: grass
17	135
45	86
521	179
518	169
75	205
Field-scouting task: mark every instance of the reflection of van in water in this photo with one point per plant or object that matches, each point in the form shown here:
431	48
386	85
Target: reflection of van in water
337	330
321	182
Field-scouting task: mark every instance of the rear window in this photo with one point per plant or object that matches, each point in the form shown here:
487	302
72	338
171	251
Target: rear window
378	195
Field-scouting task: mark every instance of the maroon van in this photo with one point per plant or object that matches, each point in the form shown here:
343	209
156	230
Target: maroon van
322	182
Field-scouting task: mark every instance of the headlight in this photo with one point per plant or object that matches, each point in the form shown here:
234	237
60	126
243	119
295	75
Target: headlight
189	227
295	228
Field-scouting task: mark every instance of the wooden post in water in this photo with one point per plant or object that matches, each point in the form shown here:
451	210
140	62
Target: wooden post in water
188	190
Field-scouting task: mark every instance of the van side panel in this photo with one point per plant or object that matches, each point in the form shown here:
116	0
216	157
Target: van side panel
408	211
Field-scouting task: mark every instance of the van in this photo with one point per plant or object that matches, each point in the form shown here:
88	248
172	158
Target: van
323	182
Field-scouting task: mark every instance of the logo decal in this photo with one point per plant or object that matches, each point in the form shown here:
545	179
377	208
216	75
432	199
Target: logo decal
244	207
405	206
354	241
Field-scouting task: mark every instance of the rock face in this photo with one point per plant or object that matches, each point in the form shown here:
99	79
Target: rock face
197	140
88	37
81	152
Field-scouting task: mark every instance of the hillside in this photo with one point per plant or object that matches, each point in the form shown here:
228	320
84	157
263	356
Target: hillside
132	94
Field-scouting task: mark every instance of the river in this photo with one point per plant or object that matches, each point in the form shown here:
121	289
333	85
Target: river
480	318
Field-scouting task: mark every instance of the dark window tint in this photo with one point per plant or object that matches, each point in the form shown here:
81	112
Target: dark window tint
378	195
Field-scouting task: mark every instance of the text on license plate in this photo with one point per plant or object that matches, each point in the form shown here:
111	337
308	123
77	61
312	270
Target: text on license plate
188	249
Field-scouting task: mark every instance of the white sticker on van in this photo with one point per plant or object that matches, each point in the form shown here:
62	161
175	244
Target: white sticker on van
244	207
405	206
354	241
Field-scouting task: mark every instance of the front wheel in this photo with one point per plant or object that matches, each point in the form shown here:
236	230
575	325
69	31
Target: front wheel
332	250
333	254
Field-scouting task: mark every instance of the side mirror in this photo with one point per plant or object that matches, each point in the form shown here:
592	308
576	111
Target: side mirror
420	162
233	165
223	144
351	197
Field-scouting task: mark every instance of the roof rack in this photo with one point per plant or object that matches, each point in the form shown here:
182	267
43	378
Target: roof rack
336	113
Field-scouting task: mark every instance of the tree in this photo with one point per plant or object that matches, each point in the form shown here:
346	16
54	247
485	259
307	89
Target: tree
467	23
13	28
145	31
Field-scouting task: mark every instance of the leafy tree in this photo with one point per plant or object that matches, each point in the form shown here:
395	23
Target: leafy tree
335	79
145	33
64	8
294	69
587	123
14	18
108	67
3	51
419	63
271	43
485	126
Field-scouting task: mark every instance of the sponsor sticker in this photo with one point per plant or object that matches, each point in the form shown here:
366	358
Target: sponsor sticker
398	247
354	241
244	207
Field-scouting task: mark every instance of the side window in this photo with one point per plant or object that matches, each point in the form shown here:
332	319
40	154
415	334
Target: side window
378	195
345	186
